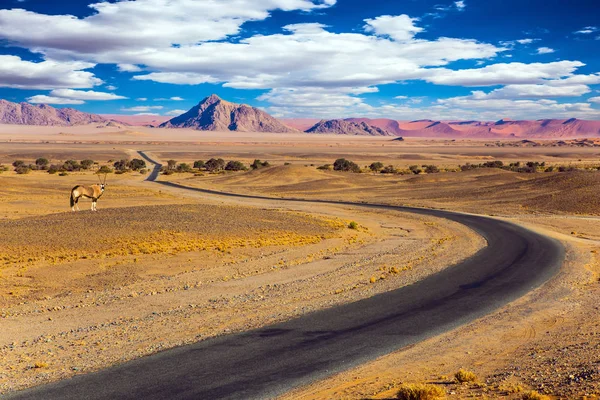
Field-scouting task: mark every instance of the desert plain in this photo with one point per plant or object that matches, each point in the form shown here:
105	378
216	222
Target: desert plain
159	267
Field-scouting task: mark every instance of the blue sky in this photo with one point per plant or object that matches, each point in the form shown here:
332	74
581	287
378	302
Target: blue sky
402	59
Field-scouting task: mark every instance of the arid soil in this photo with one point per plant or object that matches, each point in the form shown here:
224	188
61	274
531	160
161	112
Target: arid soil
98	288
62	321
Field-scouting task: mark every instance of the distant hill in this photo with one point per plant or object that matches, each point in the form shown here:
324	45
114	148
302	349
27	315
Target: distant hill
44	115
504	128
343	127
215	114
138	120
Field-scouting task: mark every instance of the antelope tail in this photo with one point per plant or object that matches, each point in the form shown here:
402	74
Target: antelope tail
72	200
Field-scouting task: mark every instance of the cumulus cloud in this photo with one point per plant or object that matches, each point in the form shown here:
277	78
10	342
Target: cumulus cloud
545	50
526	41
49	74
594	100
85	95
587	30
400	28
43	99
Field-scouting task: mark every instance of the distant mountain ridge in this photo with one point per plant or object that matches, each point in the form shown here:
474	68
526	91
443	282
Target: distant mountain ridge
44	115
504	128
343	127
215	114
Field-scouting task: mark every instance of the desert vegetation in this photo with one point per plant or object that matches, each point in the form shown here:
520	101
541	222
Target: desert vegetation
341	164
417	391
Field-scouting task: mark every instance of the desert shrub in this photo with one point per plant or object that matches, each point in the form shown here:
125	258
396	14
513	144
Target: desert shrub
215	164
168	172
341	164
410	391
42	163
533	395
184	167
71	165
376	166
121	166
143	171
549	169
63	173
564	168
87	163
199	164
431	169
467	167
136	164
22	169
287	163
53	169
105	169
326	167
415	169
465	376
171	165
390	169
492	164
3	168
235	166
353	225
259	164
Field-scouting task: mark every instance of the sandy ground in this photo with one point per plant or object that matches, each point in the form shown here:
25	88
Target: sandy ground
124	286
548	341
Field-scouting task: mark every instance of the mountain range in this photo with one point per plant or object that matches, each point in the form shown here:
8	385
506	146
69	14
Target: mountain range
43	114
216	114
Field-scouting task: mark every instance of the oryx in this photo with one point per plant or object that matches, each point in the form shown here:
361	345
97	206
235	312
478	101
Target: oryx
91	192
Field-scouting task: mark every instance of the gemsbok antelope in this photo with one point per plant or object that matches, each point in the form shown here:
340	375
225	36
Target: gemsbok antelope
91	192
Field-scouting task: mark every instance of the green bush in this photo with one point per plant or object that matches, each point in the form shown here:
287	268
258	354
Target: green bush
42	163
22	169
235	166
341	164
184	167
390	169
105	169
121	166
259	164
71	165
136	164
215	165
199	164
87	163
326	167
431	169
18	163
376	166
353	225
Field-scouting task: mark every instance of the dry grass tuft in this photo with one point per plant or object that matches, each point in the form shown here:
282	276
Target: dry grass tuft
411	391
463	376
40	364
533	395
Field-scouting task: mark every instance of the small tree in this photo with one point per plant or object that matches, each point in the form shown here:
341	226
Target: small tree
259	164
120	165
136	164
71	165
389	170
42	163
215	164
341	164
431	169
87	164
22	169
376	166
199	164
18	163
53	169
235	166
184	167
105	169
171	165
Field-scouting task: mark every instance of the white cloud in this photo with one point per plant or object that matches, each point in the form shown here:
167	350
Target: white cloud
177	98
586	30
49	74
400	28
176	112
545	50
142	108
43	99
128	68
142	99
503	74
527	41
111	87
177	78
594	100
460	5
85	95
401	97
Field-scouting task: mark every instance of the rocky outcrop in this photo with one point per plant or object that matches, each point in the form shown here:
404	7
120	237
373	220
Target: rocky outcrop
343	127
43	114
215	114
